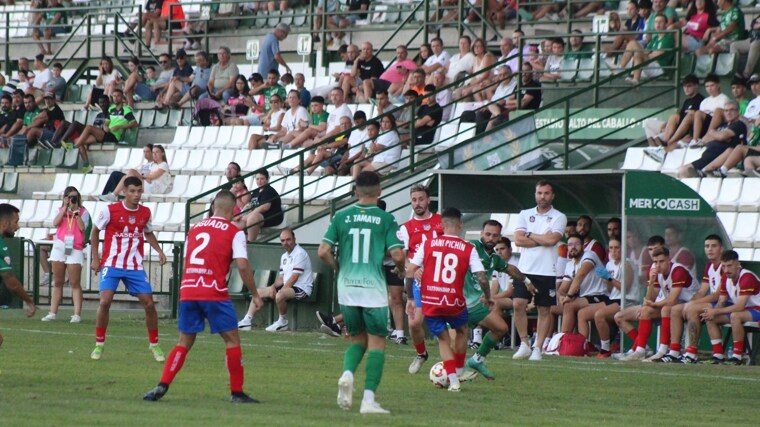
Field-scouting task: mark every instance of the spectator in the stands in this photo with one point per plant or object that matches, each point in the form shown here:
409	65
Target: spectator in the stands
530	91
294	121
57	84
33	121
153	28
739	92
6	111
271	123
199	79
336	20
236	105
164	78
425	53
231	173
260	109
67	132
120	118
494	112
180	79
749	46
462	62
634	23
266	207
404	117
393	78
48	23
444	95
135	88
731	133
117	177
312	136
108	79
366	66
42	76
700	16
303	93
731	29
327	155
429	116
382	104
661	7
438	61
709	115
16	121
553	65
385	152
661	136
51	117
509	54
223	76
660	48
348	54
481	79
576	49
317	124
270	57
415	82
355	147
12	84
157	180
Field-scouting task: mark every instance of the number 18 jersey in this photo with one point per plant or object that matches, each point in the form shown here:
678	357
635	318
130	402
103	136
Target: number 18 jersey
445	261
362	233
211	246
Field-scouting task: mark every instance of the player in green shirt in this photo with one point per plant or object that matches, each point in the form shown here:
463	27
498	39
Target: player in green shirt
730	30
479	302
119	119
8	227
363	233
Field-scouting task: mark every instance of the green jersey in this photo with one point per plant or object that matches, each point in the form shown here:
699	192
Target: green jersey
5	256
317	119
472	292
119	117
276	89
30	115
363	234
735	15
666	43
584	52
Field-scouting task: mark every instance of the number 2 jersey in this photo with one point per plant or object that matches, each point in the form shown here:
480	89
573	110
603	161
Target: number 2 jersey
362	233
124	235
446	261
211	246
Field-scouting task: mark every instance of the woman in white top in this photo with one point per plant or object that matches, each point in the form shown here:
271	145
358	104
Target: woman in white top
385	152
294	121
108	80
272	122
158	180
69	239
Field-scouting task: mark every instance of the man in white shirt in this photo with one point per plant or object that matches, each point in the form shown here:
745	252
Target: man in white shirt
539	230
340	109
294	281
460	64
438	61
752	113
709	116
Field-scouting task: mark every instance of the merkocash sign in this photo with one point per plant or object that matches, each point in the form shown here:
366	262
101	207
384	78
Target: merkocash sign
656	194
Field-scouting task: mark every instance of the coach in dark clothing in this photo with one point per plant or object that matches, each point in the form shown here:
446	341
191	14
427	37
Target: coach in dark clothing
429	116
265	205
731	133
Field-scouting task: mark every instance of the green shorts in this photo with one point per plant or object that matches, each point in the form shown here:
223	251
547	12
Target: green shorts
476	314
373	320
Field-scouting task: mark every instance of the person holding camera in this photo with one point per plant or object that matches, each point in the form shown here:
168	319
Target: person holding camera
72	223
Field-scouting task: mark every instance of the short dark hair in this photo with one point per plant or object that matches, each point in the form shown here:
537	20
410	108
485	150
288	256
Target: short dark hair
690	79
225	194
117	90
410	92
656	240
451	213
429	88
586	217
6	210
572	223
381	91
237	166
318	99
574	235
367	179
7	96
712	78
729	255
505	240
374	124
492	222
359	114
274	72
133	181
381	204
58	66
29	96
542	182
264	172
615	219
715	237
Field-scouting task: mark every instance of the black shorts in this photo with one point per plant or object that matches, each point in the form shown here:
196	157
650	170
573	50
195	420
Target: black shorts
391	278
612	301
712	151
273	220
705	125
596	299
751	153
546	286
300	293
381	84
109	137
176	25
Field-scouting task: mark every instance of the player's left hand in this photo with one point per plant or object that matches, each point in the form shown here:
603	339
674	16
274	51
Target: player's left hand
161	258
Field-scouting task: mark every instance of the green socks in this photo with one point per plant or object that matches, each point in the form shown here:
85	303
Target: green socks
487	345
375	362
353	357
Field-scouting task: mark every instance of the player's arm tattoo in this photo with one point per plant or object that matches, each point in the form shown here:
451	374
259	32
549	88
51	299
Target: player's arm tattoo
515	273
483	282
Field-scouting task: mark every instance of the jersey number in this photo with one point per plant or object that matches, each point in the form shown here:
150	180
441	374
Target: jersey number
194	259
360	244
445	267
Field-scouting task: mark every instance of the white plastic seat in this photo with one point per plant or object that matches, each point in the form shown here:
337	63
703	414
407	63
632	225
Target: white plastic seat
197	158
749	199
709	189
238	138
179	187
692	183
194	137
211	182
746	227
693	154
90	185
27	211
194	184
256	160
176	220
368	109
756	256
275	156
120	161
728	219
730	191
290	191
180	136
324	190
224	157
342	186
745	254
673	161
42	212
447	135
178	159
223	136
210	134
509	231
161	214
55	192
634	157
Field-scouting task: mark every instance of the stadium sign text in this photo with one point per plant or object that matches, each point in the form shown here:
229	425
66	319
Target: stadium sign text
666	204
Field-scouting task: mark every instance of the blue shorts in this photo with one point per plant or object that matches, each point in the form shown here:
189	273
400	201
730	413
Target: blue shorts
416	294
755	314
143	91
47	134
437	324
220	314
136	281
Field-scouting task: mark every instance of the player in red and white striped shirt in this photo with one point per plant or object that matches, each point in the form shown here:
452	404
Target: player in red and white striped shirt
127	226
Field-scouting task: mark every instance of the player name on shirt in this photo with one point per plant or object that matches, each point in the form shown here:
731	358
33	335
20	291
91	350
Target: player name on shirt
363	218
460	246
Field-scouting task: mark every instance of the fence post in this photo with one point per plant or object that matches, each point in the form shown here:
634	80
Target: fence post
567	134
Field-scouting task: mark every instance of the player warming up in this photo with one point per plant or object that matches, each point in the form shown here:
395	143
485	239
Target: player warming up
445	261
363	233
127	225
212	245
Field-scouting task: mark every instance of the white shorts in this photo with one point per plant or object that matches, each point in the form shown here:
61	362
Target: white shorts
58	254
651	71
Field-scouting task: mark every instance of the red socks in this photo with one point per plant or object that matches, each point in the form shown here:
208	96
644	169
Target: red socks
717	346
691	350
100	335
173	364
665	331
450	366
153	336
459	359
645	329
420	347
738	349
676	347
632	334
235	368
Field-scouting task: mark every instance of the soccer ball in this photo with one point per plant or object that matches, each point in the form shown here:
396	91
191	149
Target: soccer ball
438	376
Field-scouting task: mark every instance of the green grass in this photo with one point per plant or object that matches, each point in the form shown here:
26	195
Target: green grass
47	378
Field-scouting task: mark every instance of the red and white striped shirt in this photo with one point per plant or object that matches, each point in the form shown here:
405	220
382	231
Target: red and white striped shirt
124	238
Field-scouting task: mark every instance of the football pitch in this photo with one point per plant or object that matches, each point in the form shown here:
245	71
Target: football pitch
47	378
